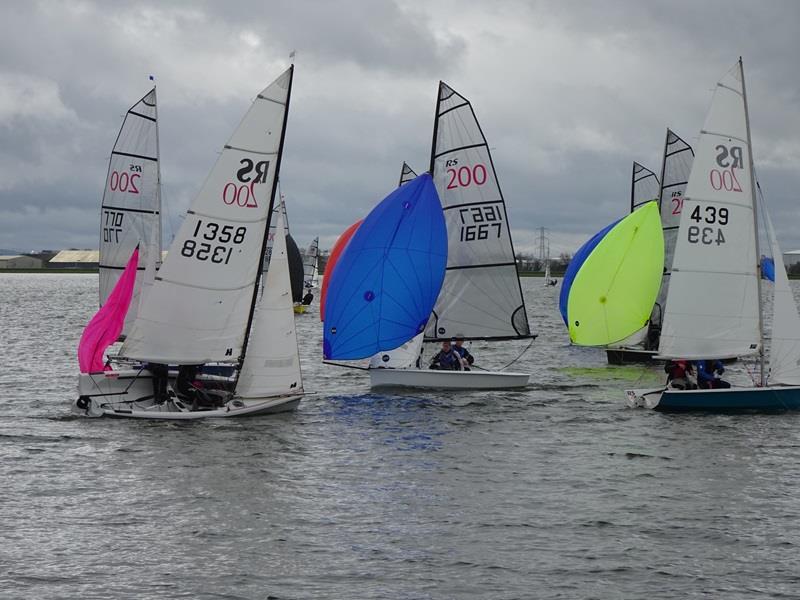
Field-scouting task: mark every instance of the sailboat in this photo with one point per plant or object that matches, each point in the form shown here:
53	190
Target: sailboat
645	185
130	214
204	305
310	261
715	308
481	297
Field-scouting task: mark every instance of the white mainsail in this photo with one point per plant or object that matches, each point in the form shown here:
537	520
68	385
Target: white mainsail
131	207
271	366
310	261
713	299
678	158
644	186
481	297
200	305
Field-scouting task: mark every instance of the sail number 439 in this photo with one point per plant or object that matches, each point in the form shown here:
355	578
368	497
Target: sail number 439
711	215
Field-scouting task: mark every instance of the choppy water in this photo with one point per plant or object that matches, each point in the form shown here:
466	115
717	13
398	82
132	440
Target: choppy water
558	491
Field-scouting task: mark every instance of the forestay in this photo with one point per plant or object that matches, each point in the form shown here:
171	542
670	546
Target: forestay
130	214
644	186
712	303
271	366
481	297
200	304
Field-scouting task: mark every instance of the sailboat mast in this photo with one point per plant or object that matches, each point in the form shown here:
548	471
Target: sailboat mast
158	185
435	127
633	185
260	270
663	170
755	225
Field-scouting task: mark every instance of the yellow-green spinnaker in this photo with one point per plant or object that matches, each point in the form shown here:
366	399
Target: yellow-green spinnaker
613	294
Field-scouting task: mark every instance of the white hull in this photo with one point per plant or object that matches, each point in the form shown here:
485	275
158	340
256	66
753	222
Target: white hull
129	394
447	380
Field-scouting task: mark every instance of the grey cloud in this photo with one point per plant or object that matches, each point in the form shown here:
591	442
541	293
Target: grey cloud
568	94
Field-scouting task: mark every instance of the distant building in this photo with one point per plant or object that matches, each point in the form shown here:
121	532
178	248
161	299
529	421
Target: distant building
791	258
75	259
20	261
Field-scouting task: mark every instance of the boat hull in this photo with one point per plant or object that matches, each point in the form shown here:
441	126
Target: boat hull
447	380
129	394
764	399
625	356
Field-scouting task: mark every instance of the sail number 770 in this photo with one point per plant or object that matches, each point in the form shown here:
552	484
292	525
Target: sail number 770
710	215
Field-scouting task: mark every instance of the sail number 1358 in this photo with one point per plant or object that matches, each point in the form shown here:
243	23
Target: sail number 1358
703	234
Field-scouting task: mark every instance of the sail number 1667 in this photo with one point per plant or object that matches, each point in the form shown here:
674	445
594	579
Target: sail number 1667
707	235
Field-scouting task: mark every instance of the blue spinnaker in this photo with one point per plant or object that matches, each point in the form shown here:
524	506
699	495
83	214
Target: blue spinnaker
575	265
768	268
385	284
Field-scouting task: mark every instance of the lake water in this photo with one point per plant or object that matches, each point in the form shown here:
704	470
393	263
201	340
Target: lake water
557	491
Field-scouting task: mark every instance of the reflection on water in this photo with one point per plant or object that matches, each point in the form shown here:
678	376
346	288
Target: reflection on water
556	491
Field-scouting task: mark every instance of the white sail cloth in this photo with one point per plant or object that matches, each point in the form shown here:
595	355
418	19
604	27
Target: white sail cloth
481	297
271	365
131	208
644	186
712	303
784	352
199	305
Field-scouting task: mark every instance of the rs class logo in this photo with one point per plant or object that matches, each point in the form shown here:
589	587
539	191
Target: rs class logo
250	171
729	157
243	194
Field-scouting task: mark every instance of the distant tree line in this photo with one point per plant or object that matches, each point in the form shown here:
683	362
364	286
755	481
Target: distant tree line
528	263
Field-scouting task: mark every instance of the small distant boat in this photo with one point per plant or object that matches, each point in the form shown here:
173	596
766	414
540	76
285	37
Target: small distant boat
675	168
204	305
310	264
715	308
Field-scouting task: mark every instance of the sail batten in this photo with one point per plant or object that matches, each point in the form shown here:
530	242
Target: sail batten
481	285
218	251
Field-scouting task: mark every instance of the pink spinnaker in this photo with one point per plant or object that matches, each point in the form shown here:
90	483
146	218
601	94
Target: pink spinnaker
106	325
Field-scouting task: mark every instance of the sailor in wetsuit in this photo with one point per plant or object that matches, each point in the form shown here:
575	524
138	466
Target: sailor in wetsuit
466	358
707	378
446	359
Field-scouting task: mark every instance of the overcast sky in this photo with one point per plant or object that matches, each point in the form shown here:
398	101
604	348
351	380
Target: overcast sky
568	94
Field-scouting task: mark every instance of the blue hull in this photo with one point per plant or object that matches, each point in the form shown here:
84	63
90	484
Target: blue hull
766	399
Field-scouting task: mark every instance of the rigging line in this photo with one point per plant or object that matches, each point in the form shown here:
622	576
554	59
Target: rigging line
504	367
346	366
